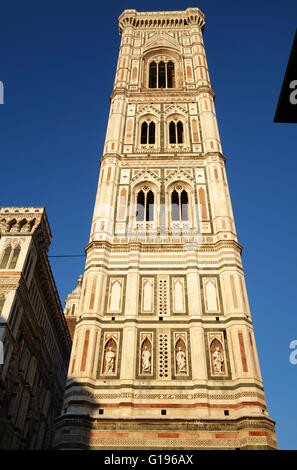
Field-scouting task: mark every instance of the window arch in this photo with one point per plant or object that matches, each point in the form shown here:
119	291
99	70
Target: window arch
170	75
149	213
15	257
143	138
6	256
10	257
140	206
153	75
180	132
145	206
162	74
184	201
179	205
148	133
174	205
172	134
176	132
151	137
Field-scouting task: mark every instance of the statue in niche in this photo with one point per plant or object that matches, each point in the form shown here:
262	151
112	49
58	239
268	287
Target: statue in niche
109	360
146	360
180	361
217	360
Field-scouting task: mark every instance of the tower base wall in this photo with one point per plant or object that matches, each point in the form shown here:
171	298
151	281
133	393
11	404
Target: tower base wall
81	432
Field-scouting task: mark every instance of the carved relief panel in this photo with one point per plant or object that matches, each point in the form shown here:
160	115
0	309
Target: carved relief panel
108	365
181	360
146	354
218	356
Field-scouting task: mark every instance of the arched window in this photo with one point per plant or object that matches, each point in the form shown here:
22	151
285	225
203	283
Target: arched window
143	139
170	75
179	205
145	206
153	75
161	75
184	205
174	205
149	215
152	133
147	133
180	132
140	206
176	132
15	257
5	258
172	135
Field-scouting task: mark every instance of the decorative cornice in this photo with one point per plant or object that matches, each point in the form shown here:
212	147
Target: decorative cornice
9	280
163	158
161	247
30	221
161	19
165	95
169	322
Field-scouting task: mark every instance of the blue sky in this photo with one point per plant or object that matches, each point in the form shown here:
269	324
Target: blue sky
57	63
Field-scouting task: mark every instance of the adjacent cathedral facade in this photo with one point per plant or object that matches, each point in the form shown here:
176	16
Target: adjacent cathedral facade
164	353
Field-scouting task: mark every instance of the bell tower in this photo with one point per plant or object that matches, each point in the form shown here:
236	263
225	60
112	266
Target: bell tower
164	353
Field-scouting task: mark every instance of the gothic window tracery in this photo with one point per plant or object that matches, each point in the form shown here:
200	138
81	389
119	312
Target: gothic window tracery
170	75
179	205
6	256
14	258
162	74
10	257
153	75
148	131
145	205
176	132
